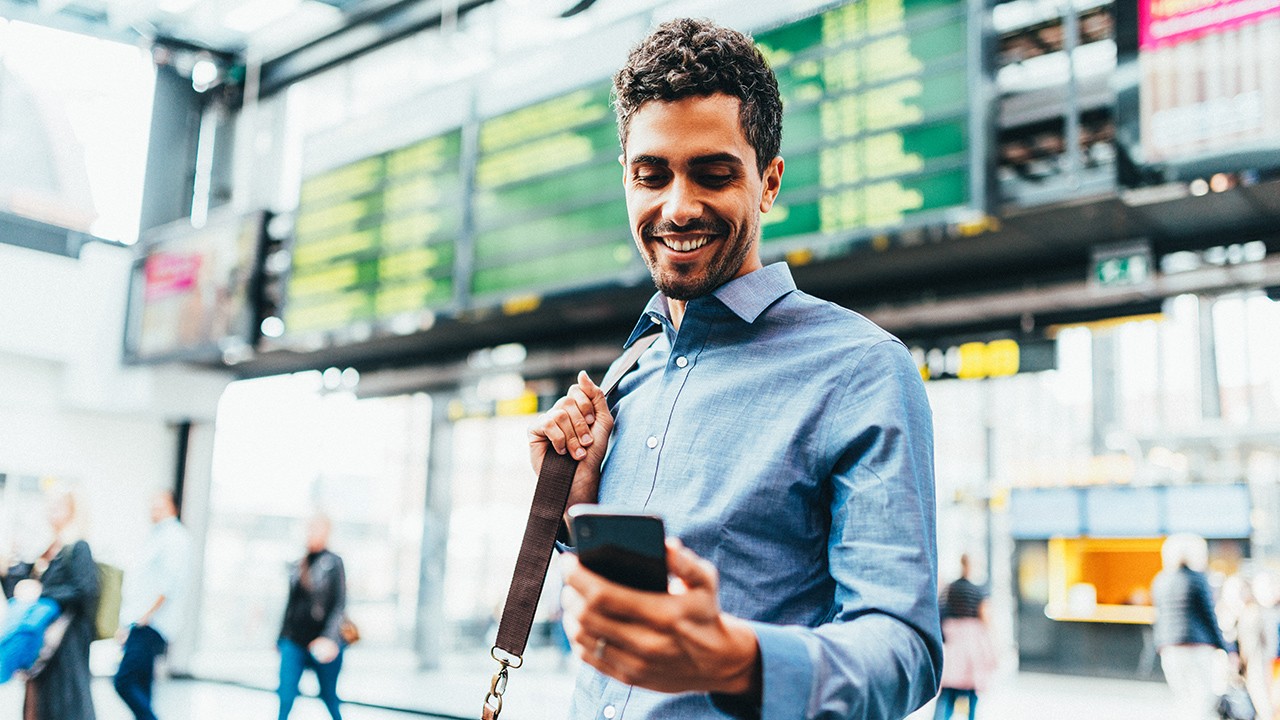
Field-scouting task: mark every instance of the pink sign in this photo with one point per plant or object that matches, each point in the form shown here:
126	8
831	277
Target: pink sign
171	274
1169	22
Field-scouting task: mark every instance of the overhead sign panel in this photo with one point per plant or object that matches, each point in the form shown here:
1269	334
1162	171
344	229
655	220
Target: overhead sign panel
193	290
876	124
1210	82
548	203
375	239
528	202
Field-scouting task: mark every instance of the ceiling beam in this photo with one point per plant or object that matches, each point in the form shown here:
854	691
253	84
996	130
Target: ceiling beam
364	32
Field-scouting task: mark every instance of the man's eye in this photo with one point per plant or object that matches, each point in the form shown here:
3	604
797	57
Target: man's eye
716	180
650	180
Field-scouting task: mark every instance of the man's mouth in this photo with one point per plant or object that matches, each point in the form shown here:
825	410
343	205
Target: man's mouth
688	245
687	238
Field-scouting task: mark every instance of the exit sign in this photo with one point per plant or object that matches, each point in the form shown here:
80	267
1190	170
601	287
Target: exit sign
1124	265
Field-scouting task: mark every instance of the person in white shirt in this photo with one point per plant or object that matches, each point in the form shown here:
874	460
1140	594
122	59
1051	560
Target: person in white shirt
152	604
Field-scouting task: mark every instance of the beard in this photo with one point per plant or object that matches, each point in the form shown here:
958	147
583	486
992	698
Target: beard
682	280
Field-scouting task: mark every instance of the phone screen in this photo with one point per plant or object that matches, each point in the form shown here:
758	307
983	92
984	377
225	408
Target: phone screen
625	548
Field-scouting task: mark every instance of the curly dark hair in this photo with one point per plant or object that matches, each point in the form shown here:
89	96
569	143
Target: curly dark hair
688	57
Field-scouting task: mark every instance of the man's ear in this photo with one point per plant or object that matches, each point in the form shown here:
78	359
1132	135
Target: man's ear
772	183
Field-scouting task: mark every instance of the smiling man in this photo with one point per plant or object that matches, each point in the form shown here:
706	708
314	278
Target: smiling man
786	441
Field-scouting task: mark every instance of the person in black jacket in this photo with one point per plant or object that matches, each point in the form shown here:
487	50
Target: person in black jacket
311	636
59	689
1186	629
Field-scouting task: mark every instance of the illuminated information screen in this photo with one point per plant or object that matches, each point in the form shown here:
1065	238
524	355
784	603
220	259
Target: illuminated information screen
1210	79
548	204
375	238
875	124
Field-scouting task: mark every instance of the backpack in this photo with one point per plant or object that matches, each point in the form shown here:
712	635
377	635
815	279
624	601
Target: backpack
110	580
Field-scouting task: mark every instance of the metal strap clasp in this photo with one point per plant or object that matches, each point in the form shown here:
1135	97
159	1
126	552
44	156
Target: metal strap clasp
498	685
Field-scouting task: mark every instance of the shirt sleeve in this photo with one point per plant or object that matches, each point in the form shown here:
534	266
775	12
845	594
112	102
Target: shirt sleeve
880	655
333	626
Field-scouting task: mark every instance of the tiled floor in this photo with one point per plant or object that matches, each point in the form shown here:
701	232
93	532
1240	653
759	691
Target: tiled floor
542	693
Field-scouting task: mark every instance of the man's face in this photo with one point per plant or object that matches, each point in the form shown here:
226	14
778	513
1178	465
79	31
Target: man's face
694	195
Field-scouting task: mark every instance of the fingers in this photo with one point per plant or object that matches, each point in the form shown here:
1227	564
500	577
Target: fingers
691	570
618	602
567	426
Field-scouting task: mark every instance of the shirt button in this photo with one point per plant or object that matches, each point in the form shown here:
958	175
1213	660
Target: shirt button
682	361
610	711
652	442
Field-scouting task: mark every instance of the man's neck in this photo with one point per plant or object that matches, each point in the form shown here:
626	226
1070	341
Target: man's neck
675	309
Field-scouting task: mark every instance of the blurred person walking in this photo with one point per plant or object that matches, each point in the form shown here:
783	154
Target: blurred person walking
154	594
58	687
311	635
1186	630
1246	622
968	655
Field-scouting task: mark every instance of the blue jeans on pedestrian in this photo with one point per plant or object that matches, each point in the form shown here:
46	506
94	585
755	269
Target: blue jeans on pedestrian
947	703
137	670
293	660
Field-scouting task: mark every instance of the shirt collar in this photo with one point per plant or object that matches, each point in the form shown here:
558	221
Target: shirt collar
747	297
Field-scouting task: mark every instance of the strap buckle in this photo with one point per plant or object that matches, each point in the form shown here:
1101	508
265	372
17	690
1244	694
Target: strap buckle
498	685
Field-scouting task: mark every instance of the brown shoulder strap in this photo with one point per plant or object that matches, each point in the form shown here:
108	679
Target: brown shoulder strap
549	499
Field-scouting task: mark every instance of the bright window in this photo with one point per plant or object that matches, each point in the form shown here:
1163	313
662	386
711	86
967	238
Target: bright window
75	115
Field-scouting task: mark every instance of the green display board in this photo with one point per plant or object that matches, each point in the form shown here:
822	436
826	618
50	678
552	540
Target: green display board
875	124
876	137
548	203
376	238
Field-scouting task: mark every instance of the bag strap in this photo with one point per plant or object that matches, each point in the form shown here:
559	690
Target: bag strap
549	499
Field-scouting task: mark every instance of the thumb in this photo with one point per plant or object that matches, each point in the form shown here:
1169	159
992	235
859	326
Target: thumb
690	569
597	397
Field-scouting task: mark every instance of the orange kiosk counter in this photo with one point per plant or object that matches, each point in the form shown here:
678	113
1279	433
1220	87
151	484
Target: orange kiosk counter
1084	560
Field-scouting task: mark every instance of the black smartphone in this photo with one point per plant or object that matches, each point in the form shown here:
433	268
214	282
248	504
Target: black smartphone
625	547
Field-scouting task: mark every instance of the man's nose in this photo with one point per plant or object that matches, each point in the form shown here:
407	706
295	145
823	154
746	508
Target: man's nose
682	203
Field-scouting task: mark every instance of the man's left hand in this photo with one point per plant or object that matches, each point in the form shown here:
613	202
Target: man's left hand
674	642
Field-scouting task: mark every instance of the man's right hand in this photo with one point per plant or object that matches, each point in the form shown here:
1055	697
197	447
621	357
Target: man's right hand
578	425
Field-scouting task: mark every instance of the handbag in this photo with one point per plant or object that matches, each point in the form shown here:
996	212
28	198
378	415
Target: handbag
550	497
348	631
1234	704
110	582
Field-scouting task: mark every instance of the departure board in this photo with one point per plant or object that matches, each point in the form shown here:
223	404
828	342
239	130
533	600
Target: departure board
375	239
548	204
876	117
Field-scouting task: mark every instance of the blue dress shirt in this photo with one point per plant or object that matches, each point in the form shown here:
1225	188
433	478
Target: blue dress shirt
788	441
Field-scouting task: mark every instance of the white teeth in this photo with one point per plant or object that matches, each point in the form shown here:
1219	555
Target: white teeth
686	245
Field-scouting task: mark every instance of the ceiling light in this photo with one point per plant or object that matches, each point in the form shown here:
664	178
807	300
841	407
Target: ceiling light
204	73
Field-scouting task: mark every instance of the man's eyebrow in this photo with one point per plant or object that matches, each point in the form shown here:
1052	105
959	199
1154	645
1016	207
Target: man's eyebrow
649	160
722	157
